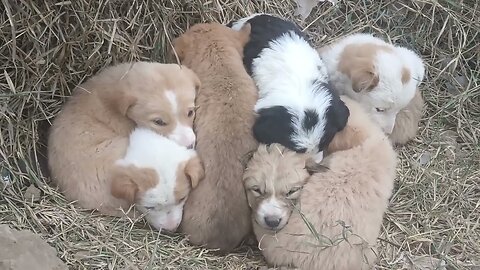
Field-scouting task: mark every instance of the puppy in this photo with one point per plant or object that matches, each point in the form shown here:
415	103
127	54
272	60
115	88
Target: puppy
296	105
91	132
156	174
384	78
333	220
216	214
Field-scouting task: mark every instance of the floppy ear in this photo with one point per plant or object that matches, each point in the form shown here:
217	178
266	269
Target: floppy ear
124	102
364	77
122	184
406	75
180	46
194	171
244	33
118	100
128	181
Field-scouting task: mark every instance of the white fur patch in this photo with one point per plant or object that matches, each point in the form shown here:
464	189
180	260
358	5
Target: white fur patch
184	135
172	98
148	149
237	25
272	208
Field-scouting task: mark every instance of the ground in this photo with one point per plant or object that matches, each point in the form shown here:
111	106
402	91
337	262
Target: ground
48	47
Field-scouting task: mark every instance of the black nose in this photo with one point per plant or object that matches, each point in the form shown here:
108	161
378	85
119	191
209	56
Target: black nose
272	222
191	146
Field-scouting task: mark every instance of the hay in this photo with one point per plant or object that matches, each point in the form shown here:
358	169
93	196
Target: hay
48	47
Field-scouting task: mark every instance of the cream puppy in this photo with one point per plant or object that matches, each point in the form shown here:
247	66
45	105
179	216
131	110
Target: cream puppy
384	78
157	175
330	220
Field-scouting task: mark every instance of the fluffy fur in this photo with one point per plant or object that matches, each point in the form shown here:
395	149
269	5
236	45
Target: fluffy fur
296	105
156	174
216	214
344	201
384	78
91	132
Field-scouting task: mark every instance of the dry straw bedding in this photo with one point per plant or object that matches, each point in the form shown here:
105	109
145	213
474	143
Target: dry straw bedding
47	47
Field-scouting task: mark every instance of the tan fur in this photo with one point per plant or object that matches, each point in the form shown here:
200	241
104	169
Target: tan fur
407	121
406	75
216	213
129	183
354	190
91	132
188	177
356	61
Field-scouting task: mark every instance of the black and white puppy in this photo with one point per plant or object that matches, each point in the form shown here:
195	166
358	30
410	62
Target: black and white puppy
296	107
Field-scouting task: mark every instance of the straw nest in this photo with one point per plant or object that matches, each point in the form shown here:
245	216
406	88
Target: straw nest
48	47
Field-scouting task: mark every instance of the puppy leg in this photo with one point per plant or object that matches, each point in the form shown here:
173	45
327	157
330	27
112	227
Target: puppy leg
407	121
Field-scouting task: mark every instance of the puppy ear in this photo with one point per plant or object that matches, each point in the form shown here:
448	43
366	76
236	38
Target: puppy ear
406	75
128	181
122	185
125	102
365	77
194	171
180	46
244	33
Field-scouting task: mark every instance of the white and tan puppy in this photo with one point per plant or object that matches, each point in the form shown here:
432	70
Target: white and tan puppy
330	220
92	130
156	175
384	78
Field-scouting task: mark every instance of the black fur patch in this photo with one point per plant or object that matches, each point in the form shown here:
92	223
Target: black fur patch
336	117
265	28
310	120
274	125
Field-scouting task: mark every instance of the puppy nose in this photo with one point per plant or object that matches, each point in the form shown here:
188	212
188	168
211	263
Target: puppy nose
191	146
272	222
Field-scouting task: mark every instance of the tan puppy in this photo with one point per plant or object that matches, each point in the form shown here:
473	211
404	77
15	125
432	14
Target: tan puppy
92	130
216	214
343	204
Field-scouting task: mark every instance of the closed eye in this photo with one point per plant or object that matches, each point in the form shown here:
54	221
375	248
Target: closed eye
149	207
380	109
256	191
159	122
293	191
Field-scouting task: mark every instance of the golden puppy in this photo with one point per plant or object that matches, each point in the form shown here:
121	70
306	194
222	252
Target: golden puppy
216	213
334	221
92	130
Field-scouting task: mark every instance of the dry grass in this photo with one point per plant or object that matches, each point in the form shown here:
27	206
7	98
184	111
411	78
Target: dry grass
48	47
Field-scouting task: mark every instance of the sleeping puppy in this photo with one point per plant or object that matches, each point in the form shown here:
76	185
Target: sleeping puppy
156	174
216	214
91	132
296	105
330	220
384	78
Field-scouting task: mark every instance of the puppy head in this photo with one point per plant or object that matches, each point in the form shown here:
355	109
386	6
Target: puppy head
202	38
380	80
160	198
161	97
273	181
